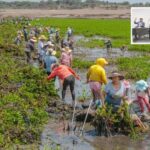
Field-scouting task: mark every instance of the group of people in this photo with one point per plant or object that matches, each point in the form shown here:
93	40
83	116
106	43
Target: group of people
113	93
117	90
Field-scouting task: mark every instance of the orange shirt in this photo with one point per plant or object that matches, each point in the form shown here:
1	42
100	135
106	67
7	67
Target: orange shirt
62	72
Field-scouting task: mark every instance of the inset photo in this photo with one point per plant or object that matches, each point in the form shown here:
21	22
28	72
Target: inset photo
140	25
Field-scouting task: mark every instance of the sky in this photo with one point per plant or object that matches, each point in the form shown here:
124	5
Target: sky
131	1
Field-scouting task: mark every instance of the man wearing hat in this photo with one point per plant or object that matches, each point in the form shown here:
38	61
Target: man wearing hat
96	77
41	48
115	90
49	59
30	48
66	57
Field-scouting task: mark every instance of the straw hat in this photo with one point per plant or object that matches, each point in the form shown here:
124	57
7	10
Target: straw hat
49	43
51	51
42	37
67	49
57	29
20	33
116	74
141	85
33	39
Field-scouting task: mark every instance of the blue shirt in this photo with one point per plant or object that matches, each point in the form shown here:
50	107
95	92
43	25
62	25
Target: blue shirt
48	61
113	96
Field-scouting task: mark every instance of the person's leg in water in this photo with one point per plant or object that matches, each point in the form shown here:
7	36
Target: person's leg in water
72	83
65	85
28	54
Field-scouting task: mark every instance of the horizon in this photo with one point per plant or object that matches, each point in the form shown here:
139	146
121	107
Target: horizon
130	1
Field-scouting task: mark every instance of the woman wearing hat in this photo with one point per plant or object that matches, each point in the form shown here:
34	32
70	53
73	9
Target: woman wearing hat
115	90
49	59
41	50
30	48
67	75
142	96
66	57
19	37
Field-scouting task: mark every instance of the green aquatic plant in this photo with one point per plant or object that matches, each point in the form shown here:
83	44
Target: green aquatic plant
25	95
107	121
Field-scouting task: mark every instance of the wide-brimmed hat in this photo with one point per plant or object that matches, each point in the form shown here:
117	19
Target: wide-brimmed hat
67	49
141	85
42	37
116	74
57	29
49	43
51	51
20	33
33	39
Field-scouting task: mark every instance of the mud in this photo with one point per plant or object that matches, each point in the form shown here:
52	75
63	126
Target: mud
67	13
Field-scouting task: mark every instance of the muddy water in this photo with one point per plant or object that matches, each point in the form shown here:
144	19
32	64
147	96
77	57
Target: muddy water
54	135
93	53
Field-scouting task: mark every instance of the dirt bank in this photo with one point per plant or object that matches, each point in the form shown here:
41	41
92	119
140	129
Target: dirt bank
75	13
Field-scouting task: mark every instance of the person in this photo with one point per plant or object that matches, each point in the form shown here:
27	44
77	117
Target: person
123	49
57	35
142	96
18	39
115	91
96	77
30	48
49	59
67	75
66	57
70	43
140	23
108	45
41	48
69	33
25	33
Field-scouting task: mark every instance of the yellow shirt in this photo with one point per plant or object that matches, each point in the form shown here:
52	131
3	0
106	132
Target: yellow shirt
97	73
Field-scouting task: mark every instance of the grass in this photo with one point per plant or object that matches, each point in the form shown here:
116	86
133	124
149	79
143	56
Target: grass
116	29
81	64
135	68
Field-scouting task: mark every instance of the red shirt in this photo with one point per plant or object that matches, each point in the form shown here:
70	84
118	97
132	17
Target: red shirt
62	72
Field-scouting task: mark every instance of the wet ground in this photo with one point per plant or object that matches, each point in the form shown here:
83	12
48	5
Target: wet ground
55	136
91	54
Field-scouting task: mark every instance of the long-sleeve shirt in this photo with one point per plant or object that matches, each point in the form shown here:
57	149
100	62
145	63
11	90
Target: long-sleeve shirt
97	73
49	60
62	72
66	58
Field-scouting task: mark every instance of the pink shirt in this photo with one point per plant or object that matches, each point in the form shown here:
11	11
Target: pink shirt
66	58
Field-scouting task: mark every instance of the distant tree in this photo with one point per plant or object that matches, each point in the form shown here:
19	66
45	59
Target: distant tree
125	3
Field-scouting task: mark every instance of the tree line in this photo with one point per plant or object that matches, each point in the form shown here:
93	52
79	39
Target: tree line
70	4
